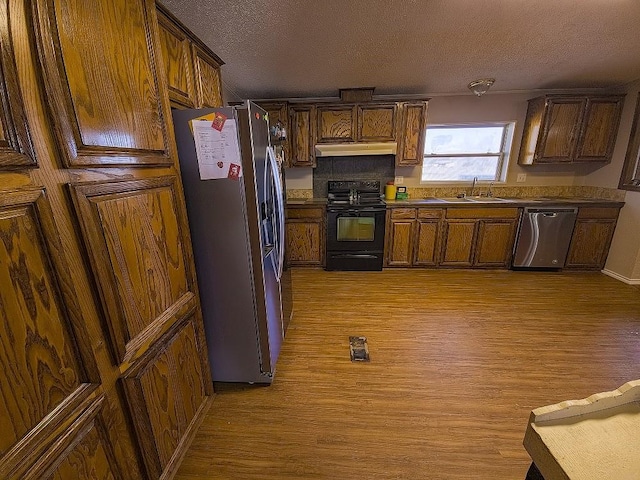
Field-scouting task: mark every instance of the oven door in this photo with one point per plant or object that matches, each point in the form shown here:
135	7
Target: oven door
351	230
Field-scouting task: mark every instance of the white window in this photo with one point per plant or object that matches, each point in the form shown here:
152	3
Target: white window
458	153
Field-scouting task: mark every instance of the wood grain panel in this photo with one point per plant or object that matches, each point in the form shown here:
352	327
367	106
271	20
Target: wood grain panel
495	243
308	213
400	248
302	121
38	356
561	129
166	393
305	242
412	133
336	123
16	149
87	459
590	244
133	234
178	67
377	123
427	243
405	213
459	239
600	125
610	213
105	108
482	212
208	81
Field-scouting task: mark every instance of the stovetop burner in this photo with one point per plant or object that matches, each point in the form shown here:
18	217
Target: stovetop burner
354	193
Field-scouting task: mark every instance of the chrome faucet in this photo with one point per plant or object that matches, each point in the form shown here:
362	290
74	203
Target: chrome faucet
489	192
473	185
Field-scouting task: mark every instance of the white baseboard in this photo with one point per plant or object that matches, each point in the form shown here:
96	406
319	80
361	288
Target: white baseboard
617	276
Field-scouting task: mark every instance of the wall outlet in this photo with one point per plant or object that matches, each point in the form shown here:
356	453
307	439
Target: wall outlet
522	177
399	180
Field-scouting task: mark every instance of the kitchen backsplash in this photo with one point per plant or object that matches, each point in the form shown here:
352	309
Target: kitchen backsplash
362	167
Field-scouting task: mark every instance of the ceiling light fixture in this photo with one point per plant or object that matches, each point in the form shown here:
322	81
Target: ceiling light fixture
480	86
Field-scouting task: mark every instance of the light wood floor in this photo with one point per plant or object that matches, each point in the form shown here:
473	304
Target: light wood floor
458	360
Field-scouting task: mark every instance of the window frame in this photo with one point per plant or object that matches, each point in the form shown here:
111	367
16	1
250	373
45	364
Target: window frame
503	155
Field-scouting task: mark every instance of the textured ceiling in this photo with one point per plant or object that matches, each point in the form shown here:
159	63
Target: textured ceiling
297	48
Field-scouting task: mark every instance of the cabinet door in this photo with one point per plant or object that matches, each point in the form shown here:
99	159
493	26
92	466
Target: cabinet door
400	247
105	98
302	121
459	239
135	237
305	242
599	129
495	243
49	373
207	79
412	133
336	123
15	141
427	252
560	130
590	244
178	68
279	113
377	123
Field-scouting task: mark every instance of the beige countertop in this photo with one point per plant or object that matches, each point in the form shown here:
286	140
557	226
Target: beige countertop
475	202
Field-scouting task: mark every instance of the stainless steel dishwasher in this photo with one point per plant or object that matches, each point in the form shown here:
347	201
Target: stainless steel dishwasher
543	237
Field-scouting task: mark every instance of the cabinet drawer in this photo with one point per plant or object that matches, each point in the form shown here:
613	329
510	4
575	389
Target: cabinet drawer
305	213
403	213
482	213
599	212
430	213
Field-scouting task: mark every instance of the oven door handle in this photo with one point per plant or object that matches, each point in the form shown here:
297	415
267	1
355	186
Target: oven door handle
354	211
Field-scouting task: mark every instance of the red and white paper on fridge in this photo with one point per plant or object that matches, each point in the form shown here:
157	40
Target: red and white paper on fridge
217	148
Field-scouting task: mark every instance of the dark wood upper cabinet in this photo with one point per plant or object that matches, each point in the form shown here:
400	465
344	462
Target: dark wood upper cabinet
303	135
413	129
102	83
208	81
336	123
16	149
377	123
176	56
570	129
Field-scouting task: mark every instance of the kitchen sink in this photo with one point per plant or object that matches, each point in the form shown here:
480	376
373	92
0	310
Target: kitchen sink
486	199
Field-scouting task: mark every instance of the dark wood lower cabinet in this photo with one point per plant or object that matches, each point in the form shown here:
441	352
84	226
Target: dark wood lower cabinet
305	236
459	239
495	243
591	238
413	237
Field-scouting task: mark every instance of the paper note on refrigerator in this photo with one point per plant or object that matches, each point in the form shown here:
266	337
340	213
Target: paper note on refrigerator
217	149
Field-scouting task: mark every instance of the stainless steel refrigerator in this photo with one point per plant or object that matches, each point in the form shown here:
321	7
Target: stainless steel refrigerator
237	230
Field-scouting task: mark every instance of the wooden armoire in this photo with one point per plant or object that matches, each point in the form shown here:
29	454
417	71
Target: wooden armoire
103	368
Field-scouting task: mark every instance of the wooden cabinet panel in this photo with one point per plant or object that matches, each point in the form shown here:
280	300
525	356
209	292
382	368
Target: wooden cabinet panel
279	113
48	367
495	243
459	239
570	128
305	243
428	237
165	392
412	133
336	123
176	56
135	240
105	108
16	149
601	118
400	248
302	121
590	244
561	129
376	123
208	81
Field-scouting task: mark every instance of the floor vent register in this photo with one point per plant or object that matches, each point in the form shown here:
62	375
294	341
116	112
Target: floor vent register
359	349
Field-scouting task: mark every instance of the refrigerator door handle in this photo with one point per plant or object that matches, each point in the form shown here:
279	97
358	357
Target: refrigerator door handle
279	210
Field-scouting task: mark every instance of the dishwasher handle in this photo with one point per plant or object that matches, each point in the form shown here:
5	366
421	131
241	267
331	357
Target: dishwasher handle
550	212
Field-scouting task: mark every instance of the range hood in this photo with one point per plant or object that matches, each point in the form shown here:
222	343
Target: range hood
352	149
